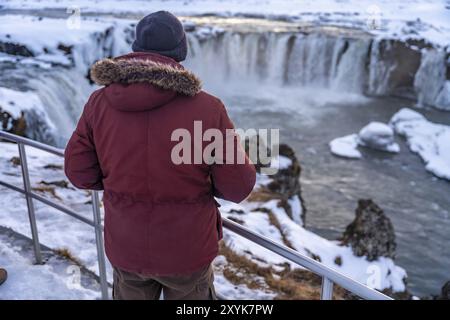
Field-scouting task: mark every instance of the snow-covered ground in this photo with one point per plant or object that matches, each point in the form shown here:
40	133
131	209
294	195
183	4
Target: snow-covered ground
431	141
57	279
400	18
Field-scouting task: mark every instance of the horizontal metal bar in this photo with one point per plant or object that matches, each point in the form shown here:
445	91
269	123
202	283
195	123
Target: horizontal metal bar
62	209
314	266
50	203
13	187
31	143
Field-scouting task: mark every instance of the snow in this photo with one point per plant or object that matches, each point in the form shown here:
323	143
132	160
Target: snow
388	275
13	102
346	147
239	292
378	136
375	135
387	18
280	162
29	281
431	141
297	211
53	32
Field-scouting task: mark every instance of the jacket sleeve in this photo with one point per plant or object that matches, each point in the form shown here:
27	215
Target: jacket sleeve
81	164
232	181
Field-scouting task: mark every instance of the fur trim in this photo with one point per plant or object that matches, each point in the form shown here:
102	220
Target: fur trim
127	71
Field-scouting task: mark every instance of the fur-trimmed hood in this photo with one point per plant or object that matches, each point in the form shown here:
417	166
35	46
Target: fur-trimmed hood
129	70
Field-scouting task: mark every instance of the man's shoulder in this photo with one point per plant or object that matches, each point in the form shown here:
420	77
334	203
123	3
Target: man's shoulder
210	101
92	104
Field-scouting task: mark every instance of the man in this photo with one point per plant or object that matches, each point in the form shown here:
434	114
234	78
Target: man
3	275
162	224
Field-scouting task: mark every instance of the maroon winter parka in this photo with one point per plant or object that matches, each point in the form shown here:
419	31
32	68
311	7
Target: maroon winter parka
160	217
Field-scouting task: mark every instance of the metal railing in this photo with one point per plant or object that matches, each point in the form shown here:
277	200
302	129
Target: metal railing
329	275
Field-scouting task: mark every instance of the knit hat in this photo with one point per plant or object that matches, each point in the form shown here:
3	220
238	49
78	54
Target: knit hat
161	32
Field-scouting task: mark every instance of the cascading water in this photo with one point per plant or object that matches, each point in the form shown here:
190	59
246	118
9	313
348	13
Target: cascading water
237	61
341	63
62	83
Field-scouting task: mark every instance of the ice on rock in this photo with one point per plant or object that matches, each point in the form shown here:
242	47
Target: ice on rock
379	136
346	147
428	139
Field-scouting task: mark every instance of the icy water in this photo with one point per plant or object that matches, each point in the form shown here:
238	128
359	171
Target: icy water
416	202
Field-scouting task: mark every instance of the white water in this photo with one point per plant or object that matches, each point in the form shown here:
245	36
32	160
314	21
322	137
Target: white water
336	62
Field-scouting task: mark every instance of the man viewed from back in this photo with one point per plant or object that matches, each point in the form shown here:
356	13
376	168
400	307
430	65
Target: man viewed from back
162	224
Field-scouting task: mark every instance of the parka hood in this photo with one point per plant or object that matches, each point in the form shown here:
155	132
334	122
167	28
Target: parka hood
143	81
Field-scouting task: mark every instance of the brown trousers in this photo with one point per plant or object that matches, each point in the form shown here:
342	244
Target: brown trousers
195	286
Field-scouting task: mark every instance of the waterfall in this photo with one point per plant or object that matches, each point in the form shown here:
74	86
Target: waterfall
282	59
63	87
430	80
230	61
336	62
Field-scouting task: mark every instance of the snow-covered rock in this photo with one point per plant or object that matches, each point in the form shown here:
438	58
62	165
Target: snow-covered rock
375	135
378	136
23	113
431	141
346	147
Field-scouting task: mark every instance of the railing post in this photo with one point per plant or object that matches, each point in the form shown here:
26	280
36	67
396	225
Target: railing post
99	243
30	205
326	292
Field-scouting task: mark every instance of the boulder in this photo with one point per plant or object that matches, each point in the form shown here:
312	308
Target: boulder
379	136
371	234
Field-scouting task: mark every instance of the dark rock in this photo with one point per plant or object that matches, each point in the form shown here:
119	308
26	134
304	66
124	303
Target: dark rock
371	234
66	49
59	183
13	125
400	64
29	124
15	49
238	211
286	182
15	161
253	145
